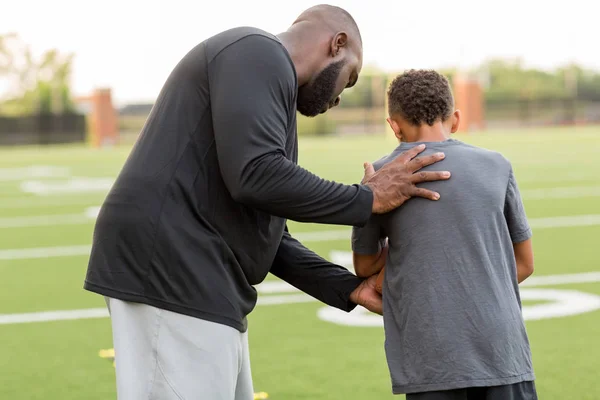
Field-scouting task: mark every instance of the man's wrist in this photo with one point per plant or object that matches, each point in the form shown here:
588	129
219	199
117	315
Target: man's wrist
354	294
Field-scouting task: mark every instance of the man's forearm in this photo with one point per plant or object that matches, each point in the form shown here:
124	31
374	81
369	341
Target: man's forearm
276	185
305	270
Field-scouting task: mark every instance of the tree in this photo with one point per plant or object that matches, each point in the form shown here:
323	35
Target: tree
34	86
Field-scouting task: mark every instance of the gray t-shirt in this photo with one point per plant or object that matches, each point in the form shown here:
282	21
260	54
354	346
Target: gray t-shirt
451	303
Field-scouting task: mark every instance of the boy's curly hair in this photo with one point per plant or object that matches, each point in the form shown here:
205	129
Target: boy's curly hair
420	97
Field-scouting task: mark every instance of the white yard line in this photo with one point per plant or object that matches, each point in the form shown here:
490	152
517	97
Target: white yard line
29	202
92	313
34	171
320	236
90	214
565	222
46	316
264	288
85	198
567	192
44	220
45	252
562	279
74	185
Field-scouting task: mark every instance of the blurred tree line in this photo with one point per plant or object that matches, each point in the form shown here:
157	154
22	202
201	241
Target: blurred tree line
504	81
41	85
33	85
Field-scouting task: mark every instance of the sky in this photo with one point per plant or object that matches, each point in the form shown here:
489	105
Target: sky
132	45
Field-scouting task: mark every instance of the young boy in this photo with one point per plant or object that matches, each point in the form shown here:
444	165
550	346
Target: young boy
451	305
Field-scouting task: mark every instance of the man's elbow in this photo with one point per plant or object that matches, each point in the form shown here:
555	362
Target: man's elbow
243	191
250	185
242	195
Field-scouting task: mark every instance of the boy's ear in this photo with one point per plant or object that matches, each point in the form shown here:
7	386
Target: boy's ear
395	127
455	121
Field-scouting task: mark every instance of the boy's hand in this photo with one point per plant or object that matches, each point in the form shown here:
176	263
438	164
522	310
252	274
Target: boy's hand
396	181
365	295
379	281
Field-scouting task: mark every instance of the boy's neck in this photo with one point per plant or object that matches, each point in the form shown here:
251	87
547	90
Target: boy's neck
426	134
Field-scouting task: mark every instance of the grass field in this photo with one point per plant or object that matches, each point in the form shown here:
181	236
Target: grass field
300	349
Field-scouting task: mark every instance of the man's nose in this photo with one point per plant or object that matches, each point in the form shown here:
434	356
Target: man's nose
337	100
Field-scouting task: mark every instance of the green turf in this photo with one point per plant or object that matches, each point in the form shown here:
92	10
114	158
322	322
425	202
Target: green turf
295	355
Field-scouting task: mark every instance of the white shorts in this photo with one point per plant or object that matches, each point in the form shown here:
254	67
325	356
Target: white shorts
162	355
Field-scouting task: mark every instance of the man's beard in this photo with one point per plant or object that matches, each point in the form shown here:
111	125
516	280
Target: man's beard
313	98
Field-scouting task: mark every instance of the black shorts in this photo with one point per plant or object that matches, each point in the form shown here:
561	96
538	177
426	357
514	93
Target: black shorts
517	391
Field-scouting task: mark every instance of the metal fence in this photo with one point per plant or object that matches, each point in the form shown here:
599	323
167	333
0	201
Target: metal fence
497	115
42	129
539	113
359	120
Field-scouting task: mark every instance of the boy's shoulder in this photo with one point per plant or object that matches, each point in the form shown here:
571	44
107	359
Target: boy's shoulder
450	147
482	151
494	157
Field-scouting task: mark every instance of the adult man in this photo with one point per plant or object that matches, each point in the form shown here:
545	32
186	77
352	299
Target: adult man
198	213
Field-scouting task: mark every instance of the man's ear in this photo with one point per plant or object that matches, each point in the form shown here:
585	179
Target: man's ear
455	121
339	41
395	127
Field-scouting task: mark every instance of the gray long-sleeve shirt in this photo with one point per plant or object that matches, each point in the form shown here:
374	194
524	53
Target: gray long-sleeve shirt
197	216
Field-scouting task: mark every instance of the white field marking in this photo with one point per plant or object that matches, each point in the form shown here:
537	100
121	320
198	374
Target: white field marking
343	258
561	193
322	236
270	287
34	171
92	212
91	313
562	279
80	250
528	194
319	236
535	223
73	185
43	220
360	317
562	303
46	316
278	287
565	222
44	202
554	176
44	252
87	216
63	251
287	299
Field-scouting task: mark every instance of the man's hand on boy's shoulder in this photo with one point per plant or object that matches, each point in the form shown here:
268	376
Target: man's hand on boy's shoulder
396	181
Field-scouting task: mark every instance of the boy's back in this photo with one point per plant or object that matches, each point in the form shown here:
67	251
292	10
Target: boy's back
451	299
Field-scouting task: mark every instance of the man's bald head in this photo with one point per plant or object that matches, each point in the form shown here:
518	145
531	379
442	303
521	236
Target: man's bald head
326	48
332	18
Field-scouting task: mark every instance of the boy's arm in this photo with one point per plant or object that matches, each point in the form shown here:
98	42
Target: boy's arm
369	248
519	229
366	265
524	257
